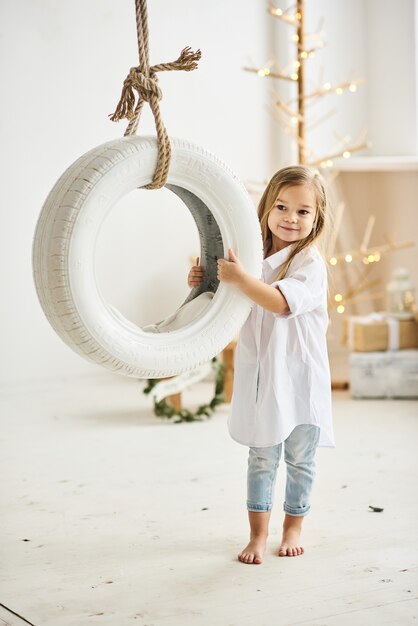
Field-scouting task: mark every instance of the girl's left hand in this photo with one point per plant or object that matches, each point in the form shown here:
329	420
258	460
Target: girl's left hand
230	271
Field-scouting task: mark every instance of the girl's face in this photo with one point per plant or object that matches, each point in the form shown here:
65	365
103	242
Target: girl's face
292	216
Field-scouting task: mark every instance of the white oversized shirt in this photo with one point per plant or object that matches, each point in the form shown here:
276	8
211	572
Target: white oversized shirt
282	375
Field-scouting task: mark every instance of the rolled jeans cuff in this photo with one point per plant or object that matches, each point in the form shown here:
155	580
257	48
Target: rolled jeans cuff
298	512
259	508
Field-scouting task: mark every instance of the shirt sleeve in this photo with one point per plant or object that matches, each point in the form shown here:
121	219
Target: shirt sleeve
305	288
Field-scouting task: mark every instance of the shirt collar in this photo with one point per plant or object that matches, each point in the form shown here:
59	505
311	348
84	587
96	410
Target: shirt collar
276	259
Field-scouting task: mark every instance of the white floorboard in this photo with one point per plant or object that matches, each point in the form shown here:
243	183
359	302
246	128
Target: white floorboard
112	517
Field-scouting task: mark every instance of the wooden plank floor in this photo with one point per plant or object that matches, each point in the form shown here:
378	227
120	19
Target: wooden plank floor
8	617
111	517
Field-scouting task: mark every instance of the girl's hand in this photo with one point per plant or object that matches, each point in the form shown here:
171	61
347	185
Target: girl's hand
230	271
195	276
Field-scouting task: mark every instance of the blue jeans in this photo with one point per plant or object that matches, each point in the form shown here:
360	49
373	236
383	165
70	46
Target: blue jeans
299	455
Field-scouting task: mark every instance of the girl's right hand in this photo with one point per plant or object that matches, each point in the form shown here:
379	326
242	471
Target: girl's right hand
195	276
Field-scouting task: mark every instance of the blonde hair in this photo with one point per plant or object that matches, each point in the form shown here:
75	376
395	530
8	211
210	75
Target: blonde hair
290	177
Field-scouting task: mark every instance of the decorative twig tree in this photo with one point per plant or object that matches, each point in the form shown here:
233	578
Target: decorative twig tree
292	115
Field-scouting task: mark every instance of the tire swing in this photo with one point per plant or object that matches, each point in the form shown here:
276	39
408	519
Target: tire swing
78	204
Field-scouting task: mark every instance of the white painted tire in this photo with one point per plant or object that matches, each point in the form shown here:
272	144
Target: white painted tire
64	244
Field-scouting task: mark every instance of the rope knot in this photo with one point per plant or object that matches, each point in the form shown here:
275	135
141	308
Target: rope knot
146	86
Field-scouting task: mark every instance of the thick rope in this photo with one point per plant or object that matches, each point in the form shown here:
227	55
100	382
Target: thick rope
144	80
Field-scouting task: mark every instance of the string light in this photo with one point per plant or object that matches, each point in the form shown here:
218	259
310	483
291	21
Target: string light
264	71
295	37
348	258
294	76
346	154
333	261
352	87
339	90
340	309
278	12
327	86
338	297
304	54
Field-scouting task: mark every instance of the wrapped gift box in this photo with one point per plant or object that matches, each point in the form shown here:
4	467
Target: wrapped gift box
378	331
384	374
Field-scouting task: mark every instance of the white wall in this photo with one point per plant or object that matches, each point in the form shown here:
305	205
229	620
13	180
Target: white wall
62	64
392	77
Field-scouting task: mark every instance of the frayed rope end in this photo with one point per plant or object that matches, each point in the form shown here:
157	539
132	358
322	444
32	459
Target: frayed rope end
125	107
188	59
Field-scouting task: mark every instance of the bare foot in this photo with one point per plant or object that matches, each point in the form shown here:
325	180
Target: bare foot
254	551
290	545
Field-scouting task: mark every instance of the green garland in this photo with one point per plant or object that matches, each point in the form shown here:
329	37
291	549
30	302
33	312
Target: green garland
163	409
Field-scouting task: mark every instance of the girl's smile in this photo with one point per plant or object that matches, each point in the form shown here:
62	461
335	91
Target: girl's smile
287	228
292	216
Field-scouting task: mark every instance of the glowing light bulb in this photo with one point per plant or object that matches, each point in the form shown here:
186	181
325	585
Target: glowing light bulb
327	86
338	297
294	120
353	88
340	309
279	12
294	76
346	154
304	54
377	256
296	64
370	258
295	37
329	163
333	261
348	258
339	91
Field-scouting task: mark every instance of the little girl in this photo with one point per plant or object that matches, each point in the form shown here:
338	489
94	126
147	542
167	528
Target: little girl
282	389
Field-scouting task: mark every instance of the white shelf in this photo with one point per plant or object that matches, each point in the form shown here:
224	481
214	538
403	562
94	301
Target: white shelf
376	164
